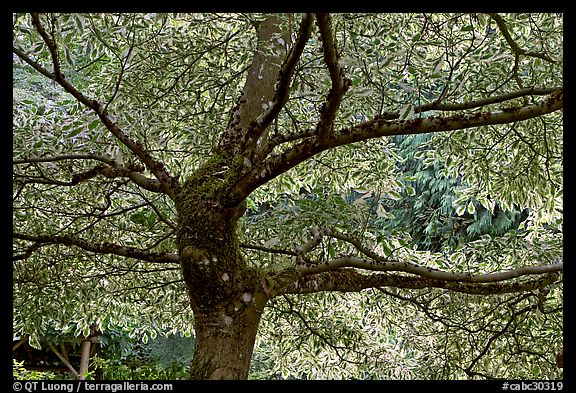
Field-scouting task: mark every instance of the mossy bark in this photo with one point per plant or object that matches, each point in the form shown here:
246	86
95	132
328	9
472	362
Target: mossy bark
226	295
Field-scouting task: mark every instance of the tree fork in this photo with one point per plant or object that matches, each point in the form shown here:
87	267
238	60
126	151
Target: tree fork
226	295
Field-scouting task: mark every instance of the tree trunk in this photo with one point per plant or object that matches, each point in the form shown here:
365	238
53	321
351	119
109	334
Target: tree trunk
224	343
84	359
226	295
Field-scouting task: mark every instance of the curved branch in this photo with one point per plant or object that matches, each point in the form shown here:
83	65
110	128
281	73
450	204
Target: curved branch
113	170
494	337
426	272
378	127
170	185
376	262
102	248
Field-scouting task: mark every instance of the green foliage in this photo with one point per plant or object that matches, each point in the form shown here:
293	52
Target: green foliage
476	200
21	373
437	209
124	357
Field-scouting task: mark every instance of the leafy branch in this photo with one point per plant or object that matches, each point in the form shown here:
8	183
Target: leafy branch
513	45
98	248
342	273
309	146
112	169
374	262
169	184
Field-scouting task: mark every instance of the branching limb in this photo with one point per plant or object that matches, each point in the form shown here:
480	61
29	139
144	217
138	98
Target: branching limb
340	84
262	100
112	169
170	185
493	338
513	45
433	106
101	248
378	127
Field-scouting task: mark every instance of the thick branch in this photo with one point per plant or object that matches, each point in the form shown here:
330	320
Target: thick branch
308	147
102	248
169	184
282	89
340	84
350	280
266	90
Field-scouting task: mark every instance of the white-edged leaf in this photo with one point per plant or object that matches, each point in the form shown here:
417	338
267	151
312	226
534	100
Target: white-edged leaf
407	112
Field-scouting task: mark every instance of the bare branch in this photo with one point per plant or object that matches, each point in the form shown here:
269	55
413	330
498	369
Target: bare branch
63	359
102	248
494	337
33	64
530	91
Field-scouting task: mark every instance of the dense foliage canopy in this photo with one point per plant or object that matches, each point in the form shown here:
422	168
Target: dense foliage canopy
477	190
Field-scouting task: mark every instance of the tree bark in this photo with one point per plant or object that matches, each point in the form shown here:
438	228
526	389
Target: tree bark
226	295
85	358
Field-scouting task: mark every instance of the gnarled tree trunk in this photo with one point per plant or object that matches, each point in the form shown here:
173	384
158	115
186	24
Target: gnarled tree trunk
226	295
